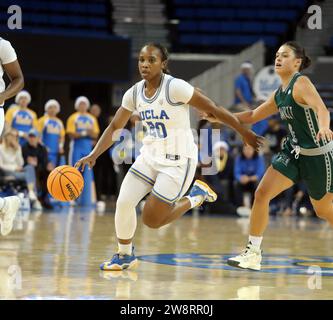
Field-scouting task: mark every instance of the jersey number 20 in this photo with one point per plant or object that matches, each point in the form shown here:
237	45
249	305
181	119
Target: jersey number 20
157	129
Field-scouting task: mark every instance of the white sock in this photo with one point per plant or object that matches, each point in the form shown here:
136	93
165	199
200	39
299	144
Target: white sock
255	241
195	201
125	248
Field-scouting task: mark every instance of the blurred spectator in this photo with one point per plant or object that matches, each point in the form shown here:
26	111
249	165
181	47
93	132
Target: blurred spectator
274	135
20	117
35	154
12	165
249	169
295	201
244	95
223	164
105	176
82	128
52	132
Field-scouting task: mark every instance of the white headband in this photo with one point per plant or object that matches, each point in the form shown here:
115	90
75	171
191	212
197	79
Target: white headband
79	100
246	65
23	94
52	102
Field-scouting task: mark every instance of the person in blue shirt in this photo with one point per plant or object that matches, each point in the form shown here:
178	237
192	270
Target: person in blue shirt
52	131
248	170
82	129
20	117
245	96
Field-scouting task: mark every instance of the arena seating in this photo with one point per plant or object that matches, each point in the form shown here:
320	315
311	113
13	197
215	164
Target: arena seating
60	16
206	25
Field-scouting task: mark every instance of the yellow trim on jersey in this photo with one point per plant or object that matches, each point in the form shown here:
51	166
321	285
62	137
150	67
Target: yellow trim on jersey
11	112
41	124
70	125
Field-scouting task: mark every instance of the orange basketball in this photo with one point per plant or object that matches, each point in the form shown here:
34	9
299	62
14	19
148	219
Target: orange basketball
65	183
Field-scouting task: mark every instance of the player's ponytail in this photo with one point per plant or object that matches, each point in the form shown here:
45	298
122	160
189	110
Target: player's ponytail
300	54
164	54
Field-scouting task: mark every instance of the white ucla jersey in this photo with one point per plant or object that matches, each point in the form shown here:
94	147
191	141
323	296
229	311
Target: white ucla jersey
166	118
7	55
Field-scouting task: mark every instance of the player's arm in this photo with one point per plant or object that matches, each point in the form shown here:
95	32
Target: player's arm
207	106
15	75
263	111
107	138
305	92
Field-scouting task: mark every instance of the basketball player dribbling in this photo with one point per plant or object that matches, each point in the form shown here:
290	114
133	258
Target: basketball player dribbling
307	152
168	160
9	64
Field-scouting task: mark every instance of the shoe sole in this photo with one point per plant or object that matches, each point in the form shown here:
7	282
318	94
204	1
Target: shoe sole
12	217
212	196
118	267
237	264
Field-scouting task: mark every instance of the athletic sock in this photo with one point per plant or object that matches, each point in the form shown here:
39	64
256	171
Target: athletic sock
125	248
195	201
255	241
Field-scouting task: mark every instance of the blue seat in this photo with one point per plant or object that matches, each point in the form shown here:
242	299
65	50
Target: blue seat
275	27
287	15
247	14
96	8
225	13
58	19
182	2
78	8
187	39
97	22
254	27
206	13
184	13
187	26
230	26
209	26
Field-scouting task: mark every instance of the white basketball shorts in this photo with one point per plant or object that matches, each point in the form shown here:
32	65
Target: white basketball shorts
169	183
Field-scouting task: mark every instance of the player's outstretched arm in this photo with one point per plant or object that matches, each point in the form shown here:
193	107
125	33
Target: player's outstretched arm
263	111
208	107
107	139
15	75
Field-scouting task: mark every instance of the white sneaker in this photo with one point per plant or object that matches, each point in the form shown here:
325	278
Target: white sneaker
8	214
250	258
37	205
32	195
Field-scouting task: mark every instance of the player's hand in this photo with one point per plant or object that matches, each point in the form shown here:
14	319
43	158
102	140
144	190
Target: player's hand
253	140
325	133
89	160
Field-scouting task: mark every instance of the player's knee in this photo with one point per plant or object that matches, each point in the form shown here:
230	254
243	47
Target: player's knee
151	222
121	204
261	195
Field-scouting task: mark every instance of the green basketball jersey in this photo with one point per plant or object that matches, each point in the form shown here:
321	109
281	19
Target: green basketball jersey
301	120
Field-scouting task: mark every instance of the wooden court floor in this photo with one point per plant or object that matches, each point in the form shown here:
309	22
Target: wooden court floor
57	255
